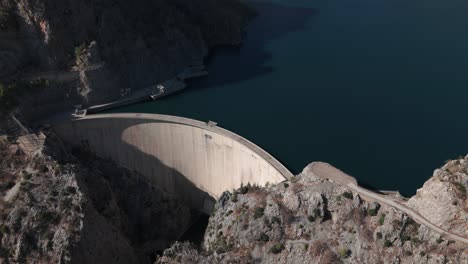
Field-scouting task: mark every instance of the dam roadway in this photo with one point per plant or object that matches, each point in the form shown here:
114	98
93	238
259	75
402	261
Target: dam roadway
326	171
194	160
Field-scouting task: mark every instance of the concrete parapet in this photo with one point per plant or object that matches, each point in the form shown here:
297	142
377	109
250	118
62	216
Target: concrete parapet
193	159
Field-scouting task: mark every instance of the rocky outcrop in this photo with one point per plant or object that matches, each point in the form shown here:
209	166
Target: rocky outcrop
443	198
41	208
81	211
311	220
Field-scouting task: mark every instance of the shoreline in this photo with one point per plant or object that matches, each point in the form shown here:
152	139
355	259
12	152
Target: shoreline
171	86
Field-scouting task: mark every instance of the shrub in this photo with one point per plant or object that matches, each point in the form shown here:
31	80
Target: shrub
244	189
6	186
460	187
4	229
275	219
27	176
70	190
47	218
317	212
415	240
258	212
405	238
348	195
311	218
67	203
229	212
382	219
277	248
379	235
344	252
408	253
286	185
264	237
388	243
234	198
80	50
440	240
372	212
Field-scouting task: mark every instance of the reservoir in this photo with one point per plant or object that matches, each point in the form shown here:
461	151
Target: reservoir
377	88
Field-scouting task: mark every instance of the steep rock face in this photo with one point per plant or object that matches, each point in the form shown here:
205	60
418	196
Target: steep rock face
40	208
134	44
310	220
443	198
81	211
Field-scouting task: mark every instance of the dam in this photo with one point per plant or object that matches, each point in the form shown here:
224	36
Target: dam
197	161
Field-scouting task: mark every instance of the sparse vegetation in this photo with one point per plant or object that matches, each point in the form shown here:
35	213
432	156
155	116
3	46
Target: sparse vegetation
415	240
348	195
47	218
344	252
234	198
408	253
277	248
460	187
405	238
6	186
27	176
258	212
375	210
372	212
382	219
317	212
4	230
264	237
70	190
379	235
276	220
79	51
244	189
388	243
9	93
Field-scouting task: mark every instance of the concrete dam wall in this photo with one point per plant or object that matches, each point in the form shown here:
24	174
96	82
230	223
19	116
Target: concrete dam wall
195	160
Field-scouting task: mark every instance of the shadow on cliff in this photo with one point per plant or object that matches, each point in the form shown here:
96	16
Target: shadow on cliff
234	64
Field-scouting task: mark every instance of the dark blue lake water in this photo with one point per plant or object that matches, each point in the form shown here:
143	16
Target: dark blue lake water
378	88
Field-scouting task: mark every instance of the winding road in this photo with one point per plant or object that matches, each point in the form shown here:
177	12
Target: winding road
326	171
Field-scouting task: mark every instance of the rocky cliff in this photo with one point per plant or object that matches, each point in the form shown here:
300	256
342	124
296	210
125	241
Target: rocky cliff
111	44
311	220
82	210
443	198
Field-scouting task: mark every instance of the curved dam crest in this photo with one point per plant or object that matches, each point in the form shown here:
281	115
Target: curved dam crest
195	160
